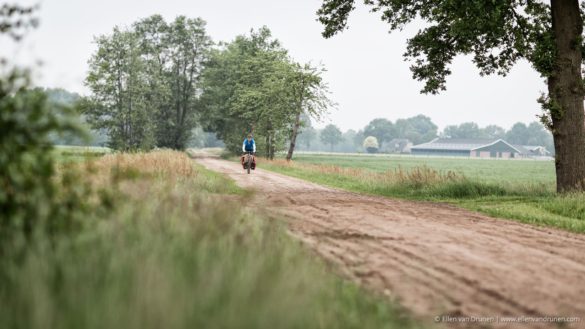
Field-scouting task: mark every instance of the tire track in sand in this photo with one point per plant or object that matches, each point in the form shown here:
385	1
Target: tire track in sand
432	258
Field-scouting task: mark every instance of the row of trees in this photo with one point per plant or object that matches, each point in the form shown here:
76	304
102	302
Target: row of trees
145	82
251	85
520	133
155	84
417	129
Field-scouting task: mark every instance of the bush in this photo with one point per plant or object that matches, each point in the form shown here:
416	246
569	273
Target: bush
371	144
28	191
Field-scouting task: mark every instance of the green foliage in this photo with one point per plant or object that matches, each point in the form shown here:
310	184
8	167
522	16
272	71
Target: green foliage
16	20
251	85
532	134
371	144
62	97
241	83
494	132
118	103
29	197
145	81
331	135
496	33
418	129
464	130
310	94
382	129
520	133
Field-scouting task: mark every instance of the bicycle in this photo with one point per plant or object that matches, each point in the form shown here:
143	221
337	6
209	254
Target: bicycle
248	161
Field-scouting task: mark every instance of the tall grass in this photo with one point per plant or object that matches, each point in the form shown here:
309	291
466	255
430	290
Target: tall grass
416	182
174	253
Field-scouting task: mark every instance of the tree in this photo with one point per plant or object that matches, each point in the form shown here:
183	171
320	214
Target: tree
310	95
533	134
380	128
348	144
517	134
465	130
251	85
16	20
187	47
117	81
58	97
417	129
245	90
331	135
358	139
31	196
497	34
145	82
493	131
539	136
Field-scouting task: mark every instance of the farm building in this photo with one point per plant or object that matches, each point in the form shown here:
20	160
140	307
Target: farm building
482	148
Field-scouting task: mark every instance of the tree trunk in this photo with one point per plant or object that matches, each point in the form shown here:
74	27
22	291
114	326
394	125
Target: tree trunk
293	137
271	147
268	146
565	88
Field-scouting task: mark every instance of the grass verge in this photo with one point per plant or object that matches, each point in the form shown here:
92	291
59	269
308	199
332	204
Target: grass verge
176	253
533	203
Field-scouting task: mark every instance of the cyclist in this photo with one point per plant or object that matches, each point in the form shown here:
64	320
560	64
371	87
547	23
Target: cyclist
249	147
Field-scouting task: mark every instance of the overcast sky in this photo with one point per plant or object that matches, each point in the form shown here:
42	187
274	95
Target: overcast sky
366	72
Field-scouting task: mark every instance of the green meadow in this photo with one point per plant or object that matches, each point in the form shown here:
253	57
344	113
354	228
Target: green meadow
487	170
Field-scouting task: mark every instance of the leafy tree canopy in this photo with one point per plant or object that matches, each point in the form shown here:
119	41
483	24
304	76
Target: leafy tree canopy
331	135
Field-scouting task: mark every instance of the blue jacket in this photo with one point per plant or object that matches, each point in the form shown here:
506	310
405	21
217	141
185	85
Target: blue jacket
249	146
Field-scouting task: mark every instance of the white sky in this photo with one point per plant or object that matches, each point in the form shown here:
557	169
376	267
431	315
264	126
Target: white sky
366	72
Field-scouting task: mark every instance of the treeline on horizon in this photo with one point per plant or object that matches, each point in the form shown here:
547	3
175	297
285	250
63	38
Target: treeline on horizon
417	129
169	85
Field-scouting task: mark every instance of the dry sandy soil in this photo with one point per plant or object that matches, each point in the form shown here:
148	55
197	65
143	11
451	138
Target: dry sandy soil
434	259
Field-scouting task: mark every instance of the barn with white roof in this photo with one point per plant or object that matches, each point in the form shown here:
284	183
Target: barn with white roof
481	148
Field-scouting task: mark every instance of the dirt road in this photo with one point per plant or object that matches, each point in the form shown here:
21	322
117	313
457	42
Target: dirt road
434	259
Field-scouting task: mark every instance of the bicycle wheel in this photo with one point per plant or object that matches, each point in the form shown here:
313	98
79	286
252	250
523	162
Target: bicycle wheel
249	163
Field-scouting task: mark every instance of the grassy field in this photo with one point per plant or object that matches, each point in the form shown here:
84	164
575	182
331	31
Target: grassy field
516	189
79	153
486	170
176	250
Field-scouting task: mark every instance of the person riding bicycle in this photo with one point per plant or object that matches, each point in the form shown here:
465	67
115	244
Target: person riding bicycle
249	146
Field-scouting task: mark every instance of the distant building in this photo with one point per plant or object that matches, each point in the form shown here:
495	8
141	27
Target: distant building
481	148
397	145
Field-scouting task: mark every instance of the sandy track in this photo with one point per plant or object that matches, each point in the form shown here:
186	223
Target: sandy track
434	259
